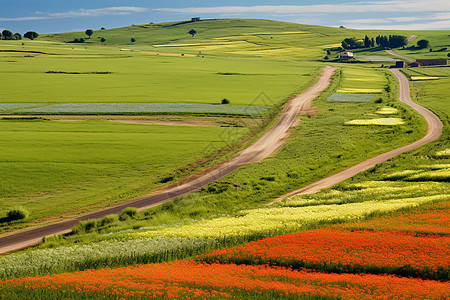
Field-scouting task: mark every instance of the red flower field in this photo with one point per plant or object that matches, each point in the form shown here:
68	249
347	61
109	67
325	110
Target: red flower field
338	250
431	219
195	279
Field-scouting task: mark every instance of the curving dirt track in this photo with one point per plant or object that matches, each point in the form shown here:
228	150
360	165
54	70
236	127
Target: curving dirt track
435	127
400	56
269	143
410	39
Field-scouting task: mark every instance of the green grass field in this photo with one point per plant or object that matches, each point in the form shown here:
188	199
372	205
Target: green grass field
362	80
143	78
57	167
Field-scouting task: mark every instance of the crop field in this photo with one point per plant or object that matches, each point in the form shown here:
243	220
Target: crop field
377	122
349	97
362	80
79	76
132	108
323	262
53	167
387	111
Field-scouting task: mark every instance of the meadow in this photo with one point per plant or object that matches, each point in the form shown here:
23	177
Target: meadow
59	167
137	77
88	161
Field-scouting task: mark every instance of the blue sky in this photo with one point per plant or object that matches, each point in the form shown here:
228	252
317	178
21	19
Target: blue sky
45	16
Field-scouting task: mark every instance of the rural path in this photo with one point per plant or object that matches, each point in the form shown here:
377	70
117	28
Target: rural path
266	145
400	56
410	39
435	127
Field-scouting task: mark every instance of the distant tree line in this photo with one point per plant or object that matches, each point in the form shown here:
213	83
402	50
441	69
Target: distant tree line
391	41
8	35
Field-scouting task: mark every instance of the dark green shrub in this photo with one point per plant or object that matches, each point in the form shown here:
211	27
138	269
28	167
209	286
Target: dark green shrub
17	213
225	101
129	212
379	100
268	178
106	220
85	226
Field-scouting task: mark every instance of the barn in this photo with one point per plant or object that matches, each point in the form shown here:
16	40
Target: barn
432	62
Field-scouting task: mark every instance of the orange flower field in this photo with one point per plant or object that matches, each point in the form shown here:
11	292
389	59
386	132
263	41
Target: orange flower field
429	219
328	263
348	251
196	279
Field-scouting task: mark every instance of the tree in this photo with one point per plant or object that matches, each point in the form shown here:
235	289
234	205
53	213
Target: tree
17	36
31	35
423	44
367	42
225	101
89	32
1	35
7	35
352	43
397	41
133	40
192	32
102	40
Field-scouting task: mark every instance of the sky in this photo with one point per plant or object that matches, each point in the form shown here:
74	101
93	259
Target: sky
48	16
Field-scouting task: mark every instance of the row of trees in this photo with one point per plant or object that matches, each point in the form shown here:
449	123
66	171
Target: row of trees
392	41
8	35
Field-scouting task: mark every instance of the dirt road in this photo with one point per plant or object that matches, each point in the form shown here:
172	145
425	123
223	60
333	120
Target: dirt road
269	143
435	127
400	56
410	39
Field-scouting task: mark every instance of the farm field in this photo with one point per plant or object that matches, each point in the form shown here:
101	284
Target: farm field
273	267
383	233
108	75
58	167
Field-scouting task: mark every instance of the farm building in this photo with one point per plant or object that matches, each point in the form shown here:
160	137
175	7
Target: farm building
432	62
346	55
196	19
414	64
400	64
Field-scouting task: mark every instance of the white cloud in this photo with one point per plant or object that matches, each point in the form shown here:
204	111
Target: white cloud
120	10
366	21
123	10
428	22
23	19
436	25
355	7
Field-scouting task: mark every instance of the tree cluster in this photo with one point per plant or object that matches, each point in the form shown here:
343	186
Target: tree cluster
8	35
391	41
31	35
